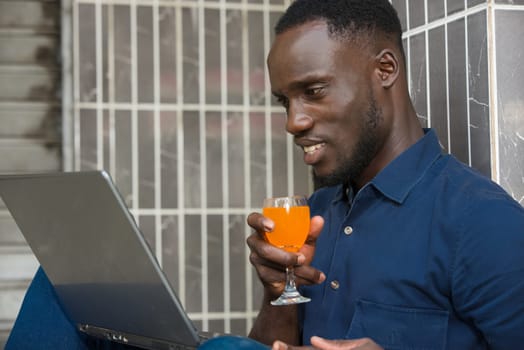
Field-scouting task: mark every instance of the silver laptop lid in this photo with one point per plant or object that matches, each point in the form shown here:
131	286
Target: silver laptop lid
104	272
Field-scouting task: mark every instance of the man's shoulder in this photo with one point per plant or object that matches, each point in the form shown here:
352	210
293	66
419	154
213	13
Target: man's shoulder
470	194
460	179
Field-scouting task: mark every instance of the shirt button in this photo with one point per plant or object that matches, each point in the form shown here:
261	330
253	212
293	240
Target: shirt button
348	230
334	284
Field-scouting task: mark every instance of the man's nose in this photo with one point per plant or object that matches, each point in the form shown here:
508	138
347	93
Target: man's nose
298	120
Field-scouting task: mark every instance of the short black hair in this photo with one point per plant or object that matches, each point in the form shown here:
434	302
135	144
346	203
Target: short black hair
346	19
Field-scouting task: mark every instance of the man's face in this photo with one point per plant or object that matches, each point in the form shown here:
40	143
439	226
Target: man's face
325	86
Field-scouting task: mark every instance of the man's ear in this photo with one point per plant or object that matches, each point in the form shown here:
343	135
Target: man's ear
387	68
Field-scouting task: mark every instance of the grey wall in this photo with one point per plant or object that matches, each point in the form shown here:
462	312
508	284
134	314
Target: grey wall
509	96
448	68
465	80
30	136
171	98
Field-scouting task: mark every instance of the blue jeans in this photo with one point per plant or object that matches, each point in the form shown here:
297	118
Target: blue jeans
41	324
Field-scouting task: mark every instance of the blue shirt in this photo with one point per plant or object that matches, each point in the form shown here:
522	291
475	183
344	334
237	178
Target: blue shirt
427	255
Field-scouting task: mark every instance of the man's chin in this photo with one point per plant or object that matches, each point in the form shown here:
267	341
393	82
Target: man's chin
328	180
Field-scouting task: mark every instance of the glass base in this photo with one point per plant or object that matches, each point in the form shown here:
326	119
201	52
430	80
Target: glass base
290	298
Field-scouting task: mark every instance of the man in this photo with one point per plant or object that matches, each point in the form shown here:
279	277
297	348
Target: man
408	248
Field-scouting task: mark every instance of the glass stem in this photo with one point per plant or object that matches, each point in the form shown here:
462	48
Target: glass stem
290	280
290	294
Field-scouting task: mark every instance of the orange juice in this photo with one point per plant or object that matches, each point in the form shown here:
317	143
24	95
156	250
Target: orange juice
291	227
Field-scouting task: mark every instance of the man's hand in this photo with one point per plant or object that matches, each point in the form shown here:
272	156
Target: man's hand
324	344
270	261
280	322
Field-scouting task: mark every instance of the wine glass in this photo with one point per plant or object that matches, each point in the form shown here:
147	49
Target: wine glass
291	218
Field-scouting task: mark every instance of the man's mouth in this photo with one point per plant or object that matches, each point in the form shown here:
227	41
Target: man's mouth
313	148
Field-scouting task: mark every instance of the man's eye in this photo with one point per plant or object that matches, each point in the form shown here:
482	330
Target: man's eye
314	91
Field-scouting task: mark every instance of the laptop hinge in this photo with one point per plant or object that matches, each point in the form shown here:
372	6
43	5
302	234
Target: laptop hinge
131	339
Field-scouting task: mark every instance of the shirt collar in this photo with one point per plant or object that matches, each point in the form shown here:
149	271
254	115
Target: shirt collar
397	179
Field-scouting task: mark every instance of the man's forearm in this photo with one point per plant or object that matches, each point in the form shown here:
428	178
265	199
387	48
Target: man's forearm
276	323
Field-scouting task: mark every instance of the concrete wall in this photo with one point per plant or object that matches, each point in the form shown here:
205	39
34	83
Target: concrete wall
30	119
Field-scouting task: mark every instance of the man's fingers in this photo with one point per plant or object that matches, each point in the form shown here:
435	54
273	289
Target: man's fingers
308	275
256	260
278	345
260	223
263	251
354	344
317	223
308	249
270	261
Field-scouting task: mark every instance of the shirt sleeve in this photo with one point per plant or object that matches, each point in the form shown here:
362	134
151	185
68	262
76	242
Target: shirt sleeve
488	271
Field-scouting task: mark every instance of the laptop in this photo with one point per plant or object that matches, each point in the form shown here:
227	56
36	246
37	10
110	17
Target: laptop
104	272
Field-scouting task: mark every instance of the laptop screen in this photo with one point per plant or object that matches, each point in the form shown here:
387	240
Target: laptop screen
99	263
